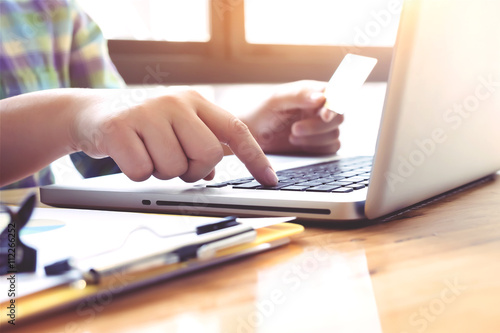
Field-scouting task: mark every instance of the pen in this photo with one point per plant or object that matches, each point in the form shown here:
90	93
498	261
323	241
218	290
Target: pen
208	240
209	250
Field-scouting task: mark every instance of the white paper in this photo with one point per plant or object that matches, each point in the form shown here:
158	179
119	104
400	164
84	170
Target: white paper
58	234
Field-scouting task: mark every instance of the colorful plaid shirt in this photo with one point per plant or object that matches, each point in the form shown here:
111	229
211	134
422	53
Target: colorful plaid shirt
48	44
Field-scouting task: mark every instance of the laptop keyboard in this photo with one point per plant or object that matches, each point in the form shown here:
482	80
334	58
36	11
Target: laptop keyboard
340	176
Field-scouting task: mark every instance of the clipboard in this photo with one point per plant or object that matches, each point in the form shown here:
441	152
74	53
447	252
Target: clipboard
69	289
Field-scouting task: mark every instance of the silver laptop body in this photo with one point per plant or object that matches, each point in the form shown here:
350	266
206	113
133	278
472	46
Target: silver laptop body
440	130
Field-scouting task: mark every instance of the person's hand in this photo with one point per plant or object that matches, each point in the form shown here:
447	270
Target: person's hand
294	119
175	133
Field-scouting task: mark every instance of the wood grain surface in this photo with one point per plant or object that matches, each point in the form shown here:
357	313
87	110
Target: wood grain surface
433	269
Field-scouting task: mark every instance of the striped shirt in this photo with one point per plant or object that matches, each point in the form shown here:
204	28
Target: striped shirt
47	44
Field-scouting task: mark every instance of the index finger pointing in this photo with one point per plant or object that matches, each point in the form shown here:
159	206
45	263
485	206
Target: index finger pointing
246	148
233	132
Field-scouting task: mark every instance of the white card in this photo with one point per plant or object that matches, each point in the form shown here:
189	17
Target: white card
346	81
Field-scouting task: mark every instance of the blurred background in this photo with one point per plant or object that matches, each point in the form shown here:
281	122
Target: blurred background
234	41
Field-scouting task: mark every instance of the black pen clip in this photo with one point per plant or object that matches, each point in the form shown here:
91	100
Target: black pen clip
226	222
18	256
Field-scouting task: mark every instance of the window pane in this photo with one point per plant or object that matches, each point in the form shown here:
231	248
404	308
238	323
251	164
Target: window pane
170	20
322	22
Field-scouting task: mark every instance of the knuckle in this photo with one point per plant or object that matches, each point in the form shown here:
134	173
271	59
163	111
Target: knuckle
112	124
337	145
178	167
248	152
332	148
339	118
210	156
303	93
180	104
141	171
237	127
172	100
189	178
175	168
192	93
182	94
213	155
141	112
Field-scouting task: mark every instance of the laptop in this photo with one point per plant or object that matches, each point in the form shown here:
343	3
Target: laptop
440	130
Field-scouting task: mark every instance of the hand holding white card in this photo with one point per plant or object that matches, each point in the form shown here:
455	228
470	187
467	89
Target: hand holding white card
346	81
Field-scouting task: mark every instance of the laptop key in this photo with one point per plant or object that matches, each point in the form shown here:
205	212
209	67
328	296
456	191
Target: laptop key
332	179
322	188
340	183
342	190
349	174
218	185
357	179
321	177
277	187
232	182
356	186
240	181
325	180
306	178
250	185
311	183
294	188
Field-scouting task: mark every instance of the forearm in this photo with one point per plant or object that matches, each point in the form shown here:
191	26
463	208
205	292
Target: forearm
34	131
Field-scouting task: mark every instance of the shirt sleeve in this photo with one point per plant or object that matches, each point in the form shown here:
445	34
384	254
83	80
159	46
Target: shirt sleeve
91	67
90	64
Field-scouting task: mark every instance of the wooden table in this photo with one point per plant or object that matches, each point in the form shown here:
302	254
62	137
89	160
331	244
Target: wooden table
434	269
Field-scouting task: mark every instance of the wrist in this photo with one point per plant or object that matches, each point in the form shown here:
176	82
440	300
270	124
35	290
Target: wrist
70	104
82	118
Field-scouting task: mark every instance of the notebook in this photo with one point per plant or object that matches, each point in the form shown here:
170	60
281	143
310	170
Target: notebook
110	241
438	132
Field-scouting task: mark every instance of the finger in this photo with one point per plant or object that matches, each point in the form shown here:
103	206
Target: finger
315	125
163	147
210	176
128	151
200	145
324	139
233	132
300	95
322	150
327	115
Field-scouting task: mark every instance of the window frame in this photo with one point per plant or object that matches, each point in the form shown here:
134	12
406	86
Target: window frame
228	58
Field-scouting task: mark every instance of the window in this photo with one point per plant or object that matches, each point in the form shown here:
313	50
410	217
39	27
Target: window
160	20
321	22
212	41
